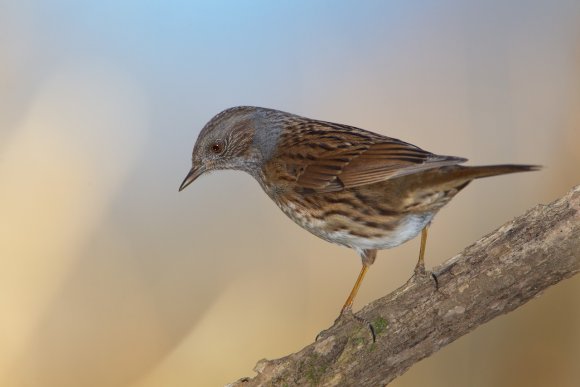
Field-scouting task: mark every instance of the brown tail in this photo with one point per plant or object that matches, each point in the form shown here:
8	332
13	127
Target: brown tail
458	176
493	170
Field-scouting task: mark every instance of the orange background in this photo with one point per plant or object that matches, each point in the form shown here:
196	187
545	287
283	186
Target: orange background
109	277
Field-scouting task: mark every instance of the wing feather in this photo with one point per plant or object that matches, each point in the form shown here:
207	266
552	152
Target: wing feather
335	156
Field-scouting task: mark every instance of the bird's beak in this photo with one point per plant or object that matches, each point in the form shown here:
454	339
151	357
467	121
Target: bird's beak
193	174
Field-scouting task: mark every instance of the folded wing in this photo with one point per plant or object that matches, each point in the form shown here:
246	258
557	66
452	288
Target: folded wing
331	157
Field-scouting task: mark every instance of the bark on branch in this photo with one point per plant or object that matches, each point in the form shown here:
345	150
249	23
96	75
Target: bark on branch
494	276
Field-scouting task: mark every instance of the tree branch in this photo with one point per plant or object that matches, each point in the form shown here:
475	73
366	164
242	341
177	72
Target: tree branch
494	276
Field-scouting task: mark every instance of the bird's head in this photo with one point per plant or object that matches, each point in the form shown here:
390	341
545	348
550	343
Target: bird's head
238	138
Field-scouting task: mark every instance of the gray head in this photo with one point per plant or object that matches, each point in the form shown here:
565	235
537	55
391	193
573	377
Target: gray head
241	138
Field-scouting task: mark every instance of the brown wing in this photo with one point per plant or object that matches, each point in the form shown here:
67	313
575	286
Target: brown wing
330	157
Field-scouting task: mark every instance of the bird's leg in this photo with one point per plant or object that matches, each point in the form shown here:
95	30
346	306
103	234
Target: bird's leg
420	267
368	258
346	311
347	307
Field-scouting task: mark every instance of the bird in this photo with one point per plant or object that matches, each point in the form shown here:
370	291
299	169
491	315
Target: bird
347	185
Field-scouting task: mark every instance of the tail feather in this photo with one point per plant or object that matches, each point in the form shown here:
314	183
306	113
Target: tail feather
477	172
458	176
447	181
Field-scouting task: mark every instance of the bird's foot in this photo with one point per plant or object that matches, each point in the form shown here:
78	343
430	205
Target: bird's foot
340	320
344	317
436	280
420	270
367	323
420	273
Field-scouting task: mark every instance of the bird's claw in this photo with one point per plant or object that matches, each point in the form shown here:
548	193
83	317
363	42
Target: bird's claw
345	315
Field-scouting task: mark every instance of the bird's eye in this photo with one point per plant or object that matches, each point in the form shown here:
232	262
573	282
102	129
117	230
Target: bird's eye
217	147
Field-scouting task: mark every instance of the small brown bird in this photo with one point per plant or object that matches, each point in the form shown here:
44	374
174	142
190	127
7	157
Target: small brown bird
346	185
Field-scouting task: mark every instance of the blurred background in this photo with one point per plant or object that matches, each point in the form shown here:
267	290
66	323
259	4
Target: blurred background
109	277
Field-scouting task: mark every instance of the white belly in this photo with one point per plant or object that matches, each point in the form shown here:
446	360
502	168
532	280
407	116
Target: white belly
406	230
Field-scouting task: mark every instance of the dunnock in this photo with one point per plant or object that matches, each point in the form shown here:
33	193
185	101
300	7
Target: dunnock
346	185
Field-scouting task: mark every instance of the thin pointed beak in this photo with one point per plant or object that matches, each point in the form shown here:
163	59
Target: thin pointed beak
193	174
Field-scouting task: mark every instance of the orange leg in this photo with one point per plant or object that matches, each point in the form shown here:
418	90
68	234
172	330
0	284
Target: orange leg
420	267
348	304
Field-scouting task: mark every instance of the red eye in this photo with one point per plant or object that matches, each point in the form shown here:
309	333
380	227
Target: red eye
217	148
